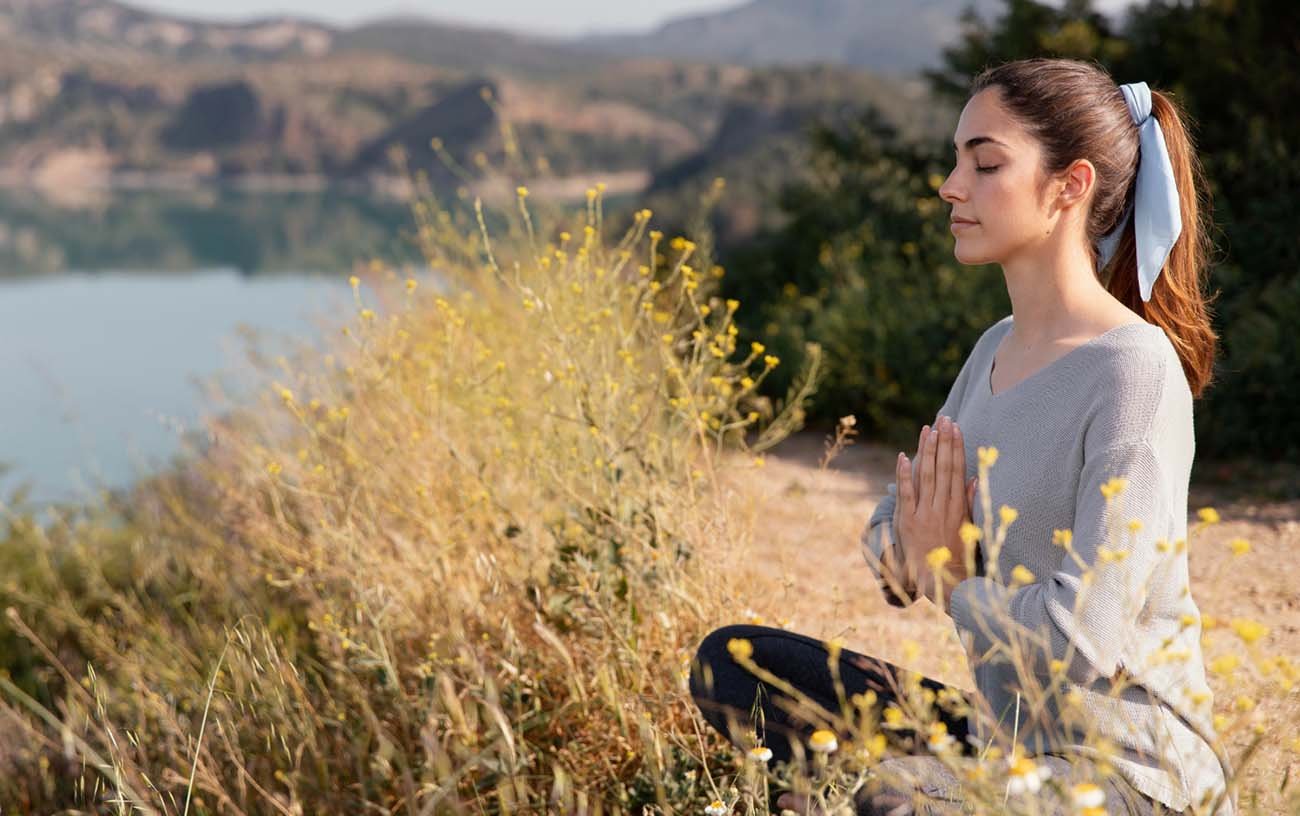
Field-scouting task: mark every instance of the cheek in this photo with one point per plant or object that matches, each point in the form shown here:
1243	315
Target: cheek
1009	205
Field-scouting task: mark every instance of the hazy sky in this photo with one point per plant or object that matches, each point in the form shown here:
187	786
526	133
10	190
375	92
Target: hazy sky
552	17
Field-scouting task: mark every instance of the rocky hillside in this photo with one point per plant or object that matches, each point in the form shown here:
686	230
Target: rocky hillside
886	36
100	93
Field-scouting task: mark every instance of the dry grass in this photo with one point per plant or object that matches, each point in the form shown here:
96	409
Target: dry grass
804	571
457	563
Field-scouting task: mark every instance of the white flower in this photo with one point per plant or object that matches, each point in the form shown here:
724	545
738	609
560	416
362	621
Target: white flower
716	808
1088	798
1026	776
761	754
939	739
823	741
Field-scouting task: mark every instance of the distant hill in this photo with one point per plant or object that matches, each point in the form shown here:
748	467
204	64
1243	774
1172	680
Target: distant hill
113	26
98	92
886	36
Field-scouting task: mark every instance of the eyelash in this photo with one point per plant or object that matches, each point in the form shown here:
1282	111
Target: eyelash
987	169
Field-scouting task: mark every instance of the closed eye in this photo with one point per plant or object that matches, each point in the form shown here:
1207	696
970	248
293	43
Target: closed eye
987	169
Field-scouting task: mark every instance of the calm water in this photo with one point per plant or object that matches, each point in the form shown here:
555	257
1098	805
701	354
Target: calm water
113	313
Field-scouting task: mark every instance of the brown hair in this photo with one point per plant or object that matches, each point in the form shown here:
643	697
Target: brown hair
1077	111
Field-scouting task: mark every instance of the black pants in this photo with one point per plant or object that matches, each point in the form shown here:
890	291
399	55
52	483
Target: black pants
723	689
727	693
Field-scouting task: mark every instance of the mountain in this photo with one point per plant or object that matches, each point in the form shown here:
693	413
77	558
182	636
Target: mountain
97	93
885	36
109	26
116	27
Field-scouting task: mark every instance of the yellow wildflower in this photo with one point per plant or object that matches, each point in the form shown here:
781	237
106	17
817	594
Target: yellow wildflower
740	648
1088	799
1224	664
1249	630
937	557
1114	487
823	741
876	746
1026	775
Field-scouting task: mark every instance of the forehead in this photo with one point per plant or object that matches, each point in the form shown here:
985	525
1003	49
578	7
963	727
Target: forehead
985	118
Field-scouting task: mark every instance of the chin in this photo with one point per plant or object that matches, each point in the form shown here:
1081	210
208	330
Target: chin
968	253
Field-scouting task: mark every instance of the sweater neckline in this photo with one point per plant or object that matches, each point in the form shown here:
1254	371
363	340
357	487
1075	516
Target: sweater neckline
988	373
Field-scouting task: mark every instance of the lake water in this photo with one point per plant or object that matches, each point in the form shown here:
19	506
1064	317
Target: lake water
114	310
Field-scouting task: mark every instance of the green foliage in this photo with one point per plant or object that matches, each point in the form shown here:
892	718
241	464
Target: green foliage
1236	68
864	267
1232	65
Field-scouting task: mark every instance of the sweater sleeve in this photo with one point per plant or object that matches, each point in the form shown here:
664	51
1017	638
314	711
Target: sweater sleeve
880	531
1084	611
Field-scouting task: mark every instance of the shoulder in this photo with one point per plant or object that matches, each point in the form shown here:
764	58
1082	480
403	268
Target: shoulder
987	344
1135	384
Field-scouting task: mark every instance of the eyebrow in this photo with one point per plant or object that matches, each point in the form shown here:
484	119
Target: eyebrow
979	140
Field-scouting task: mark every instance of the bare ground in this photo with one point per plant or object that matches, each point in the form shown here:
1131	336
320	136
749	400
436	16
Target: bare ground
803	569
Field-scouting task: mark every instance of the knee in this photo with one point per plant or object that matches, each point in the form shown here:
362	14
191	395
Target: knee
712	658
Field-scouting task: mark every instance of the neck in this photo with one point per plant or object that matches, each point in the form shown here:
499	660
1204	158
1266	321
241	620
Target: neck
1053	291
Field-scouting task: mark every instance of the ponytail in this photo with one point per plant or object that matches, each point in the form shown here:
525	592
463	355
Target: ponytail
1177	304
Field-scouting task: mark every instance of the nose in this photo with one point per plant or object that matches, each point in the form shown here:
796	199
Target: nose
950	191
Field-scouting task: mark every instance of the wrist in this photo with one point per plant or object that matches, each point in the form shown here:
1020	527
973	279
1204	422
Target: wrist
940	586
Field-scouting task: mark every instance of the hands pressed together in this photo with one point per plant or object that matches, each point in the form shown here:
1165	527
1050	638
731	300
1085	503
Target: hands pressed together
934	499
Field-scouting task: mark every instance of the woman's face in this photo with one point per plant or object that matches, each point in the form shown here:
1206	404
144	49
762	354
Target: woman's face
995	184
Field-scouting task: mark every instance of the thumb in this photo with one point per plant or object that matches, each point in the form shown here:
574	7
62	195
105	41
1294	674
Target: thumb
971	484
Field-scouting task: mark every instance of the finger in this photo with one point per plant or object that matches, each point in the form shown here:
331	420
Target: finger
927	465
918	459
920	451
957	469
943	466
906	493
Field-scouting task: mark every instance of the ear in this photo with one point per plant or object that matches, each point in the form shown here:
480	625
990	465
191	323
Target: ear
1076	184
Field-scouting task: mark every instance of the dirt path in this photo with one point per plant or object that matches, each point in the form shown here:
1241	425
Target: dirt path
807	573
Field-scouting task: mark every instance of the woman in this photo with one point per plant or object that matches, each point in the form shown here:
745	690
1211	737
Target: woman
1087	195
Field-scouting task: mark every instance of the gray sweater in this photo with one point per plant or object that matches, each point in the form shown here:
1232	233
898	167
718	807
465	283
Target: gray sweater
1117	406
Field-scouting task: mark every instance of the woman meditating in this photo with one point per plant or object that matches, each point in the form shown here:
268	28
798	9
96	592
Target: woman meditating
1088	194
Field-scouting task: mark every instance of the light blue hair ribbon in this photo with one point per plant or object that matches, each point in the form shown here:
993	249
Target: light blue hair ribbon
1157	220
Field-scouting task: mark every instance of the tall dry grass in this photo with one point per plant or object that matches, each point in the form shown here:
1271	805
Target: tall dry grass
449	565
455	563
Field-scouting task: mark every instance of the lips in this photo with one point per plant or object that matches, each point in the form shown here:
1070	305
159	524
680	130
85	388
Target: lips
963	221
